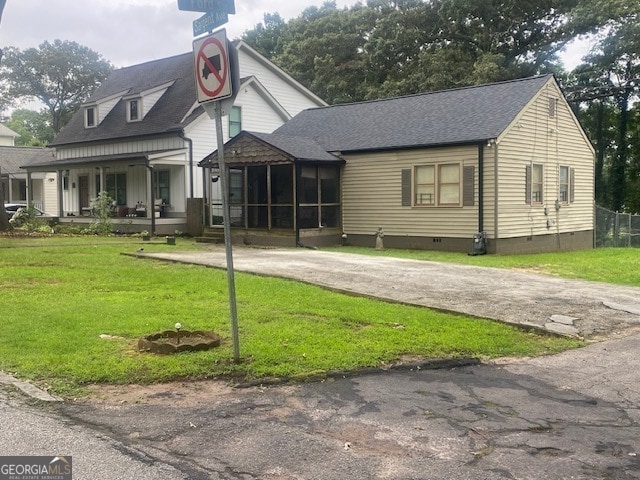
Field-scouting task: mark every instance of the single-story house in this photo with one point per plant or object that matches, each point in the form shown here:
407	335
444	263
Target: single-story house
136	138
501	168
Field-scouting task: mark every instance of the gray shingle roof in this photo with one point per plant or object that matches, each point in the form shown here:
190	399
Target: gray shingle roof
462	115
301	148
13	158
165	116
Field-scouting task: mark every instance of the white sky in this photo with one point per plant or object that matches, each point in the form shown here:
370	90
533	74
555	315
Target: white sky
127	32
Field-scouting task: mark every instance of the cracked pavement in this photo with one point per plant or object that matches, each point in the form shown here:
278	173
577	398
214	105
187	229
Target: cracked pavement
519	419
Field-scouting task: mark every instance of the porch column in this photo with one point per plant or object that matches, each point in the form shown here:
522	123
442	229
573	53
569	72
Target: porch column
29	189
61	193
103	186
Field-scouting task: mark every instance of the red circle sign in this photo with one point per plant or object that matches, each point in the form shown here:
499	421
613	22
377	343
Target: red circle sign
207	65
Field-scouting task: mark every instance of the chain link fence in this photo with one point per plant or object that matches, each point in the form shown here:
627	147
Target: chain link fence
614	229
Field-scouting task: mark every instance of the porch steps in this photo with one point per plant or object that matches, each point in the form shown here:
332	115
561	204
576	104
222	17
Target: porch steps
211	235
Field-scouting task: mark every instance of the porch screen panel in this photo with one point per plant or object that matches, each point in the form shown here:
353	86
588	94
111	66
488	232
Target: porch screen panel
257	197
329	196
319	196
236	198
308	184
282	196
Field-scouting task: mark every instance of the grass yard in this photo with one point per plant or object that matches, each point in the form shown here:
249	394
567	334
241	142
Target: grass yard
59	295
610	265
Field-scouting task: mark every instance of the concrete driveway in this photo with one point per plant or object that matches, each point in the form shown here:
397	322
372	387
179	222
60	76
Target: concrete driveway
573	307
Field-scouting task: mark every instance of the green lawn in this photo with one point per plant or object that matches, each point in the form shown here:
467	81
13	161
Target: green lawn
611	265
59	295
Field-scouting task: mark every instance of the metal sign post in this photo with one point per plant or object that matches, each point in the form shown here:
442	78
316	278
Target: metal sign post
226	216
216	73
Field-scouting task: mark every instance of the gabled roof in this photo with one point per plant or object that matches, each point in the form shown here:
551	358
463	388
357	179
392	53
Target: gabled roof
165	116
463	115
295	148
7	132
300	148
246	48
12	159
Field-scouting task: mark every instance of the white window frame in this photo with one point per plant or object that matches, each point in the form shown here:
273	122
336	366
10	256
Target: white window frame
534	167
235	122
138	101
436	200
94	109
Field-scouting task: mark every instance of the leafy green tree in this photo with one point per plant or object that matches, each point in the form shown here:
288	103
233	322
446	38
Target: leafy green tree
268	37
633	187
61	74
396	47
34	128
611	74
4	220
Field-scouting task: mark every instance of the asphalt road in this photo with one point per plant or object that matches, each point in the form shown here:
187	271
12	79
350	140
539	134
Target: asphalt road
569	416
36	430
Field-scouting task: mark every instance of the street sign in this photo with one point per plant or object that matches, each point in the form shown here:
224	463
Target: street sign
208	22
226	6
213	71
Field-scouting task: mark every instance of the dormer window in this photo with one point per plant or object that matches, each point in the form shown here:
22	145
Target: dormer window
90	117
134	110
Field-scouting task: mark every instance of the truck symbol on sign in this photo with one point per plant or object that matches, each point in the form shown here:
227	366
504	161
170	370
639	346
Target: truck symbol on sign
215	61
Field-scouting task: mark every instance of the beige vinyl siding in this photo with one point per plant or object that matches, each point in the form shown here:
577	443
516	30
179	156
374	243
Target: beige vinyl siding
372	195
552	141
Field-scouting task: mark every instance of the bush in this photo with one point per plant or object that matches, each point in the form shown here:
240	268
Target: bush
101	210
26	219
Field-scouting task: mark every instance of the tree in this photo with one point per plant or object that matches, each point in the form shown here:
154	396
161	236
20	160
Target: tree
611	76
34	128
4	221
398	47
61	74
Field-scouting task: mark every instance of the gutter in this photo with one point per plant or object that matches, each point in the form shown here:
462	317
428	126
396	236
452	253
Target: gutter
190	142
147	163
481	185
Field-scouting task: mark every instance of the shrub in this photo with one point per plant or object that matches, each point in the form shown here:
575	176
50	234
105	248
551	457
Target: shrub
101	210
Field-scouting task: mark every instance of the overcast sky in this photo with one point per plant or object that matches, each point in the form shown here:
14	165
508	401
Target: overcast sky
127	32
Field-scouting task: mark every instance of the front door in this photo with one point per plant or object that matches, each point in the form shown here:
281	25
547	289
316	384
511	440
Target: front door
83	192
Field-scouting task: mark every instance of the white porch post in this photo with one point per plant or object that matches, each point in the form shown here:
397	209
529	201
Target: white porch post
29	189
61	193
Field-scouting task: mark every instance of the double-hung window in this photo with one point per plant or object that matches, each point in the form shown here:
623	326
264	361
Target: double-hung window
90	115
534	189
117	187
134	110
437	184
235	121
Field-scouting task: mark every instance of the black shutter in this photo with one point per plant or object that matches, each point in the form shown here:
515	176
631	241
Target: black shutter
527	188
468	186
406	187
572	185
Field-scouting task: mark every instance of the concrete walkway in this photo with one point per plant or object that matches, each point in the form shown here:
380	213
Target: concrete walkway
591	310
